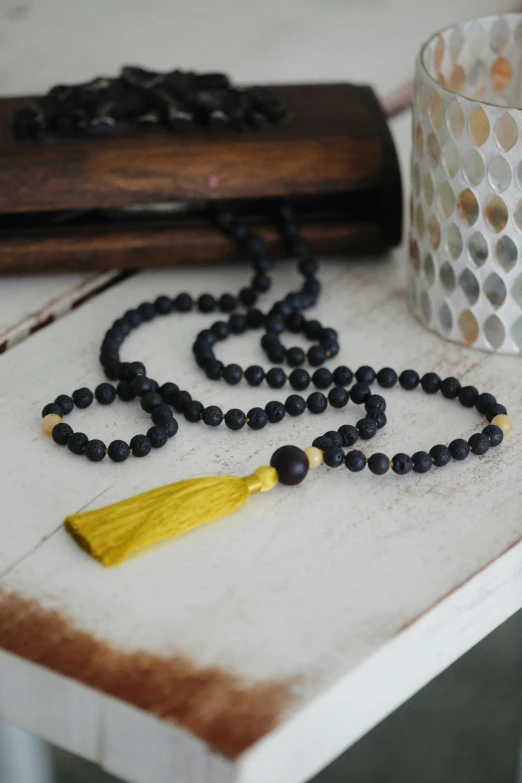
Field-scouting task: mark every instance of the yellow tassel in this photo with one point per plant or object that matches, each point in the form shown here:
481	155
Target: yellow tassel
115	533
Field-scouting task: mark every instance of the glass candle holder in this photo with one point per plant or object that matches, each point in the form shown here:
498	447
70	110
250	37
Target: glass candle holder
466	207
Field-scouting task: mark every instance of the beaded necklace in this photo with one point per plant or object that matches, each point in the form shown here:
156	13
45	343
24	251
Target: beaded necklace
289	465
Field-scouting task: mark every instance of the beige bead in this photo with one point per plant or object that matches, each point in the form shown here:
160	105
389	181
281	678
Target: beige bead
504	422
315	456
50	421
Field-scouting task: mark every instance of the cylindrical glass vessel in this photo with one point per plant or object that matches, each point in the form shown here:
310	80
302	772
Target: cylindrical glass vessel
466	208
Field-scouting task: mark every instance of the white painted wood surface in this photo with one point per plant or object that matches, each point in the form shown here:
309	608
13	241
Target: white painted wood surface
30	303
346	589
349	591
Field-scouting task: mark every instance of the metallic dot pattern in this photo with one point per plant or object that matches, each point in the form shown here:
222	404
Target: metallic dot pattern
466	232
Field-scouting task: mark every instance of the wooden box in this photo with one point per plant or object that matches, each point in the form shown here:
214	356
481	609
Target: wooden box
139	200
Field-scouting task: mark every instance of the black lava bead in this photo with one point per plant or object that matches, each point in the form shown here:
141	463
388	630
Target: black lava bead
171	426
484	401
316	402
359	393
192	412
118	450
494	434
276	377
291	465
299	379
168	392
349	434
227	303
183	303
122	372
375	402
367	428
147	311
237	323
124	391
379	464
232	374
322	378
213	369
65	402
295	405
468	395
95	450
105	393
61	433
312	329
212	416
295	356
255	318
220	330
379	417
112	368
82	397
338	397
181	399
440	455
206	303
335	437
365	374
257	418
134	369
478	443
162	412
333	457
431	383
316	355
459	448
401	464
342	376
275	411
158	436
140	445
409	379
163	305
261	283
235	419
140	385
133	318
387	378
450	388
421	462
77	442
52	407
323	443
254	375
355	461
276	353
150	401
495	410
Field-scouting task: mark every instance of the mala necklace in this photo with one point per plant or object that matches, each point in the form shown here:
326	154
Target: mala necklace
114	533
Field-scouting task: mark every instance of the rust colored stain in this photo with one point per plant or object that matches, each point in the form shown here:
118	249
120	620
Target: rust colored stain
215	705
41	324
109	284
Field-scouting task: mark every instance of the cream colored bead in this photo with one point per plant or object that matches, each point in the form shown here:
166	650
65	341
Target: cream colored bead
50	421
504	422
315	456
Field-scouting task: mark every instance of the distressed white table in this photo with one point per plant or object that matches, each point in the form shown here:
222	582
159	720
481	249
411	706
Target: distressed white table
262	646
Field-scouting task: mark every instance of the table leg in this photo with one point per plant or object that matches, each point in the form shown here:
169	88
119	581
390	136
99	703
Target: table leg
24	758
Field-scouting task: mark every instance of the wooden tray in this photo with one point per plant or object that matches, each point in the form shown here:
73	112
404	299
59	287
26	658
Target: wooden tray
334	156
